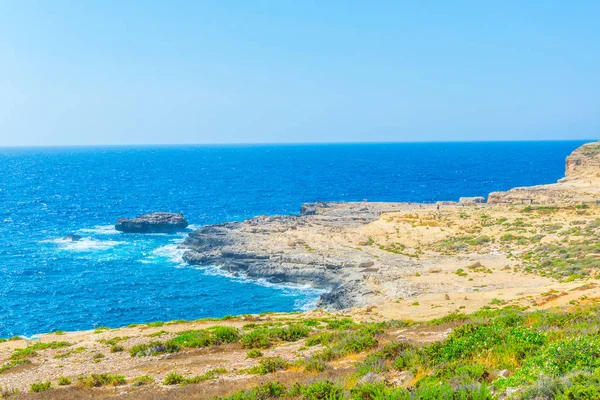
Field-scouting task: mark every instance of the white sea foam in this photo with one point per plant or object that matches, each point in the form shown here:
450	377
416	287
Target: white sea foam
87	244
310	294
171	252
101	230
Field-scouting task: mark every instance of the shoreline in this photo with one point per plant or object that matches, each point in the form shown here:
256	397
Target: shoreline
406	275
275	248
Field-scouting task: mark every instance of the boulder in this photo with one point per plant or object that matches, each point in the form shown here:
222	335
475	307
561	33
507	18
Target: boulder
158	222
472	200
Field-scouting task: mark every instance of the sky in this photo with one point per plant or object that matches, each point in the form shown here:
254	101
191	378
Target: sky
186	72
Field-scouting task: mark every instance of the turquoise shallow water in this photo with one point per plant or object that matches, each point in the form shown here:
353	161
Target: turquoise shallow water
115	279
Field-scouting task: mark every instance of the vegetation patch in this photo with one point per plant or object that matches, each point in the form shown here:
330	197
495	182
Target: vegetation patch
213	336
100	380
31	351
38	387
153	348
174	378
265	337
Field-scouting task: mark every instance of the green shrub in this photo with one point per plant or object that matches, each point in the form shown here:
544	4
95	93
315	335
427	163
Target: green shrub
206	337
30	351
268	365
153	348
173	378
322	339
64	381
315	364
12	363
379	391
340	324
320	390
143	380
264	337
99	380
254	353
225	334
38	387
116	348
268	390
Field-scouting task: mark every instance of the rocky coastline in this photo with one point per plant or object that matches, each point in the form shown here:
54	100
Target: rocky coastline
277	249
330	245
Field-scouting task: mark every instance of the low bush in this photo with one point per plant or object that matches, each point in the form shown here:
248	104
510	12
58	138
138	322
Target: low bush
100	380
38	387
31	351
142	380
269	365
206	337
254	353
174	378
64	381
116	348
153	349
264	337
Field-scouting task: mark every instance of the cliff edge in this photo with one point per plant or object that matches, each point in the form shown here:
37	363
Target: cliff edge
581	183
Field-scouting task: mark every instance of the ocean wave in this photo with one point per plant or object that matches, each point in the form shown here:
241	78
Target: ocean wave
310	293
86	244
100	230
171	252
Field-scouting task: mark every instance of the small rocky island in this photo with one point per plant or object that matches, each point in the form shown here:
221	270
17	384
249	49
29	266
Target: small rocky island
158	222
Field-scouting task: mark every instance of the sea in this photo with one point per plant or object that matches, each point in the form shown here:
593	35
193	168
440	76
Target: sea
113	279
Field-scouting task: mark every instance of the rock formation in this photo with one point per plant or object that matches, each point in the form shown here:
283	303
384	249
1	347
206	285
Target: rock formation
472	200
348	248
158	222
300	249
581	183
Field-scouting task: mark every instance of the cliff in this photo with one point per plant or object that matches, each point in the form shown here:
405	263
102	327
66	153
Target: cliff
581	183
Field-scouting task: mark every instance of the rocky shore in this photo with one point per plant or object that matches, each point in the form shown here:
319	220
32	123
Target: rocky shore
366	253
321	246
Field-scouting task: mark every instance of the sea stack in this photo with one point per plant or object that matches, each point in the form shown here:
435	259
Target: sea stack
158	222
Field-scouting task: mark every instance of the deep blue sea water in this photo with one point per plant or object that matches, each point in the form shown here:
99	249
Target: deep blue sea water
113	279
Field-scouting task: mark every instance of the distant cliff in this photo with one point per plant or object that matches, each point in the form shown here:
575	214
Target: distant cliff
581	183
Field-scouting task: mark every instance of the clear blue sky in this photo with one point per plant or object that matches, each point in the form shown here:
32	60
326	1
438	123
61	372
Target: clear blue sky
135	72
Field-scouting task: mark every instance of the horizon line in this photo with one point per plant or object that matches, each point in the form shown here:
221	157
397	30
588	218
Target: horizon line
49	146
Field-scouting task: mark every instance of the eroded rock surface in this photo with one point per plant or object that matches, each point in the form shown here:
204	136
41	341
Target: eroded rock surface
158	222
367	253
320	247
581	183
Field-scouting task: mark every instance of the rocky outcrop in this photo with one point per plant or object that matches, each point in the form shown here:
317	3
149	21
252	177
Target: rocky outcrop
158	222
300	249
581	183
583	163
472	200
